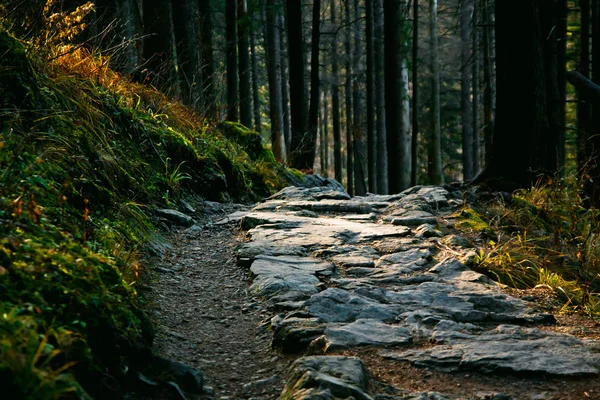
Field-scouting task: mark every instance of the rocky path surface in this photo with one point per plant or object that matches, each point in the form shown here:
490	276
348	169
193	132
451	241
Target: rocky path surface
371	287
367	298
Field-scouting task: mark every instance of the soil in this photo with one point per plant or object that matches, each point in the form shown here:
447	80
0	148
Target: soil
205	316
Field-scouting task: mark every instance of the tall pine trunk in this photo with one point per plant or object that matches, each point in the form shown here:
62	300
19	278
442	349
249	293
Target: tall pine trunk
298	104
275	82
335	98
359	170
435	140
583	108
476	78
414	146
371	133
561	32
325	135
348	98
231	49
308	150
244	64
489	91
187	34
208	63
285	89
159	50
466	13
255	84
380	124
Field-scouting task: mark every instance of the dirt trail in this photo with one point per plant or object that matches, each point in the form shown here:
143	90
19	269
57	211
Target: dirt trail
205	317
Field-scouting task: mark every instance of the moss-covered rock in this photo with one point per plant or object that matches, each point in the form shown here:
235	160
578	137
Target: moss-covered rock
249	140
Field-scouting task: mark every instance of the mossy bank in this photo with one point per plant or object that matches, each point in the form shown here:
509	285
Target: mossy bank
82	166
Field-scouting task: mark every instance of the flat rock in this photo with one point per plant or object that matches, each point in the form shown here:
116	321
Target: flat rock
275	275
411	218
508	349
176	217
338	305
364	332
327	377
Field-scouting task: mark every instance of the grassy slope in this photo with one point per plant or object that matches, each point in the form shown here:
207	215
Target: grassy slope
84	157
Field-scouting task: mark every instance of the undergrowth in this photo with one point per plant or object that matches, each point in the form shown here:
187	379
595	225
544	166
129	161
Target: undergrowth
544	237
85	155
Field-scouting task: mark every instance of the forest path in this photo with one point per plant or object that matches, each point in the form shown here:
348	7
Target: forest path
379	287
205	317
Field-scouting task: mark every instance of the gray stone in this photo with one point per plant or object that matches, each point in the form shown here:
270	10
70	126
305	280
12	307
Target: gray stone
508	349
261	384
457	241
364	332
327	377
414	255
275	275
427	231
412	218
175	217
337	305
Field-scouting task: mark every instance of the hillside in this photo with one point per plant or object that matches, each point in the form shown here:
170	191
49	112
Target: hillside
86	158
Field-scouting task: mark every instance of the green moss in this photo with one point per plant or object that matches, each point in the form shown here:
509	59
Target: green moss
250	141
469	219
76	180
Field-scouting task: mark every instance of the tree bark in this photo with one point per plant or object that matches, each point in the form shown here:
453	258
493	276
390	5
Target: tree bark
524	139
415	97
244	71
232	74
435	141
371	133
187	38
308	151
325	136
466	14
255	84
359	170
583	106
489	91
275	83
348	101
382	164
208	63
335	99
159	51
561	32
298	104
285	89
476	78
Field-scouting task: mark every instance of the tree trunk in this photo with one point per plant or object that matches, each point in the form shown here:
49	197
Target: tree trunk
325	154
348	97
466	14
297	68
434	162
476	78
187	35
308	151
255	84
561	32
244	64
285	89
232	75
524	138
378	53
275	83
123	18
592	185
335	99
395	95
159	50
371	133
583	106
415	98
359	170
489	91
208	63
